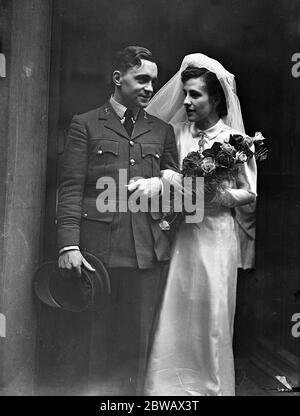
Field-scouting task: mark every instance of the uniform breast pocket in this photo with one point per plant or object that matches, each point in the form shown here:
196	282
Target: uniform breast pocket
104	154
151	159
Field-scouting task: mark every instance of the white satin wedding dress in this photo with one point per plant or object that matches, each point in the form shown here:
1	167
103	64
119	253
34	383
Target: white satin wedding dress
192	352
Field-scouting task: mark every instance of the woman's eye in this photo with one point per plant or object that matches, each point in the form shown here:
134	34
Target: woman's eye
141	80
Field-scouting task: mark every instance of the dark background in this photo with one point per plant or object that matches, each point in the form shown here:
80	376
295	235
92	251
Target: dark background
254	40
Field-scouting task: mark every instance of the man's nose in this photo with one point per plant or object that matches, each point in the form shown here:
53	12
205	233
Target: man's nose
149	87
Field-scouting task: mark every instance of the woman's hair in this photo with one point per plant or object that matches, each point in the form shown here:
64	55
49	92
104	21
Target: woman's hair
213	86
130	57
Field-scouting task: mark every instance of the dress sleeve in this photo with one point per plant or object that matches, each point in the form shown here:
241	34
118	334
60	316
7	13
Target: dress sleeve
243	200
245	191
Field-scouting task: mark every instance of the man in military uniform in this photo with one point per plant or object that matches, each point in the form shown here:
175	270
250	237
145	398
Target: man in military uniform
119	137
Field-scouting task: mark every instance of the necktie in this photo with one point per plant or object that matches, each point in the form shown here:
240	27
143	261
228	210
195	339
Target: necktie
128	123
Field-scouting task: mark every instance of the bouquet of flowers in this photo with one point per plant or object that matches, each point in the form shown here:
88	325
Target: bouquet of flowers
218	165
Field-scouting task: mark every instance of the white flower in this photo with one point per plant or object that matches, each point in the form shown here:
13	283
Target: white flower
208	165
258	137
164	225
241	157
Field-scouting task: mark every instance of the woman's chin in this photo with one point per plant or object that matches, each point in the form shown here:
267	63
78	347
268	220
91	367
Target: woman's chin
191	117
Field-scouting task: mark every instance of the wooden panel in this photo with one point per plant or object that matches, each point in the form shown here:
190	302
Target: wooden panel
25	140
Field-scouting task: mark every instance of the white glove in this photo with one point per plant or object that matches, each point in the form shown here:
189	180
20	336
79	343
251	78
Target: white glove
173	178
148	187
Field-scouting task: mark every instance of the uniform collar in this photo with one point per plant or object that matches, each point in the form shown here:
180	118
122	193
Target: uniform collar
120	108
210	133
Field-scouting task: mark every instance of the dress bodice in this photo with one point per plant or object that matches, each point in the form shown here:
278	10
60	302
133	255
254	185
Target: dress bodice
189	138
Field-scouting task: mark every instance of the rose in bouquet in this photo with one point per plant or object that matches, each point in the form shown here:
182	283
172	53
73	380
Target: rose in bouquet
218	165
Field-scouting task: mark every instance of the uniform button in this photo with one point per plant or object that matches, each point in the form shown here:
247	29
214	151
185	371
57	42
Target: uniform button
132	162
157	156
100	152
85	214
131	143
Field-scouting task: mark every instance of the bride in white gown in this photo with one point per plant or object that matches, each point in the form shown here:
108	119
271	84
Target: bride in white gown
192	351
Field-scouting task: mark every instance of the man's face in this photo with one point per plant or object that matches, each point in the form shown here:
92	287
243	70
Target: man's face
198	104
136	85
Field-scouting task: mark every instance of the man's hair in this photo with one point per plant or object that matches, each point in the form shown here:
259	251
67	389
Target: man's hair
213	86
131	56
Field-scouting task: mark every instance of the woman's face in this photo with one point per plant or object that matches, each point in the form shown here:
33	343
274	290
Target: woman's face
198	104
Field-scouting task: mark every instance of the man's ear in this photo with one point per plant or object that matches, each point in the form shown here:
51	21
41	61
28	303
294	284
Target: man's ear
117	78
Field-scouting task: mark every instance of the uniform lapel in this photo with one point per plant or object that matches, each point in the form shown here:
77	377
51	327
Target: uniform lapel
112	121
142	125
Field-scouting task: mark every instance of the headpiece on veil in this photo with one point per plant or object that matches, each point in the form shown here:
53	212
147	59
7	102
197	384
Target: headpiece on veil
167	104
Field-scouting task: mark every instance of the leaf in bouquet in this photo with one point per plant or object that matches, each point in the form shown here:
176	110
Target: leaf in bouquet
213	151
236	139
261	154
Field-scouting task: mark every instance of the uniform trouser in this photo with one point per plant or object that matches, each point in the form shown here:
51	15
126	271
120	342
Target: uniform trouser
123	330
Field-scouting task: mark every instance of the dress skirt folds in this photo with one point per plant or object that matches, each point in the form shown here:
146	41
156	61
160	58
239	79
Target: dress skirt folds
192	352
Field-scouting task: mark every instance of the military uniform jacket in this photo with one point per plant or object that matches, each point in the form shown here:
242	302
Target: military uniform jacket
98	146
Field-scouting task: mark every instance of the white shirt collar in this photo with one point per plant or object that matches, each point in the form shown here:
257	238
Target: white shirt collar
210	133
120	108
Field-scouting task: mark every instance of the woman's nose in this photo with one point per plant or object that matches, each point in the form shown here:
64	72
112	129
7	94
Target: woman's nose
187	100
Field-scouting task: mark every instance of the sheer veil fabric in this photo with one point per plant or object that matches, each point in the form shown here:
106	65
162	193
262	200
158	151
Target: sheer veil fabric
167	104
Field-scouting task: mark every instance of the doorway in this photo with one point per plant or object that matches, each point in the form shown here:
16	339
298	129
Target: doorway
241	35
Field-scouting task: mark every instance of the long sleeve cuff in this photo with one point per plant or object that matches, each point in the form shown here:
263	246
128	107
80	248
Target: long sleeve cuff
68	248
232	198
